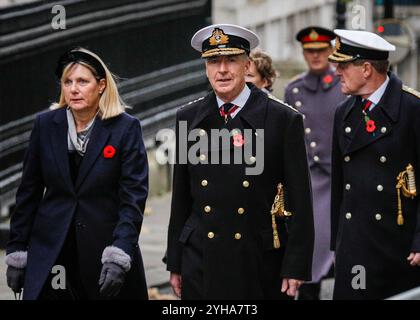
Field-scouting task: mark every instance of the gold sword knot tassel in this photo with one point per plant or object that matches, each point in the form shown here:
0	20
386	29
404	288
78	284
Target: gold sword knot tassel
278	210
406	183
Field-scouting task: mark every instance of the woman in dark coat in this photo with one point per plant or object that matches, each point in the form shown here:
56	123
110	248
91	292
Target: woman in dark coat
79	207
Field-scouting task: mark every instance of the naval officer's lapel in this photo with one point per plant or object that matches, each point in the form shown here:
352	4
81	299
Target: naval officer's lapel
250	116
206	108
255	109
384	114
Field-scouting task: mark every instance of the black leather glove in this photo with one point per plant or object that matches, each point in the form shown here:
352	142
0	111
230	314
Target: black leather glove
15	278
111	279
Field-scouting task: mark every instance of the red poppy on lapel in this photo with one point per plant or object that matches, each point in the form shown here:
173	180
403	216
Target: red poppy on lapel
327	81
109	152
370	126
238	140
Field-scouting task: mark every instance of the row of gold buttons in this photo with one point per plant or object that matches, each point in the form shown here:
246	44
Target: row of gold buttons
237	235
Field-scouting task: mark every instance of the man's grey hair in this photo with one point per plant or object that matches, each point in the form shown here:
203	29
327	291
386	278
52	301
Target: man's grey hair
381	66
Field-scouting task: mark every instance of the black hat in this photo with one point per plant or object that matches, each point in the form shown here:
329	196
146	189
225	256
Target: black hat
78	55
315	37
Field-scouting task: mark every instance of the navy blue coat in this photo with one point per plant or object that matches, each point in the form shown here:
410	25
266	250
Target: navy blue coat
106	202
364	201
220	235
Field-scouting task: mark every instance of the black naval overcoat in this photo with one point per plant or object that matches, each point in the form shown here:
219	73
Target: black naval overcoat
220	232
367	240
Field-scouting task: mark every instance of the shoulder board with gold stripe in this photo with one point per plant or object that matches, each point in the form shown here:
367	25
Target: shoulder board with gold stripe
282	102
412	91
194	101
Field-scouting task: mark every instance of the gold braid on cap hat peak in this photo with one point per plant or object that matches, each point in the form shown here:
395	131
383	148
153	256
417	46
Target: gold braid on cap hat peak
222	52
337	56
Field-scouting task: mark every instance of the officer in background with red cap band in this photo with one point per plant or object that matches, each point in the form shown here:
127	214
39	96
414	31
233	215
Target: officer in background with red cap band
316	94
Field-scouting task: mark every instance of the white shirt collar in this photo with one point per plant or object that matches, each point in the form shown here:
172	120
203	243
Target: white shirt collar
377	95
239	101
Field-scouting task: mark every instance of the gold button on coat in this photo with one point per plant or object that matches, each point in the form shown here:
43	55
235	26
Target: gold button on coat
207	209
241	210
210	235
204	183
238	236
245	184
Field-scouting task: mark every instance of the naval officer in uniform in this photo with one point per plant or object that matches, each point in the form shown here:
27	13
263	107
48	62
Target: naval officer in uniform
375	209
234	235
316	93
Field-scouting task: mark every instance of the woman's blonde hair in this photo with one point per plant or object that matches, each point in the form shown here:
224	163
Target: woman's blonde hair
110	103
264	65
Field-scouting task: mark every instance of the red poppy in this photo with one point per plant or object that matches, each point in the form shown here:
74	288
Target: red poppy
327	79
370	126
109	152
238	140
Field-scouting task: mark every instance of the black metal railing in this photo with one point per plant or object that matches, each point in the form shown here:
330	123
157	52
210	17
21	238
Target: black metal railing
146	43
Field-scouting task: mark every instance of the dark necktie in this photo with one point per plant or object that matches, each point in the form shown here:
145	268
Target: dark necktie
226	110
370	123
366	105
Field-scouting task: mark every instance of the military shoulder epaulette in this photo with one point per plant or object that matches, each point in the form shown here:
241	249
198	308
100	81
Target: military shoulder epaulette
282	102
194	101
191	102
412	91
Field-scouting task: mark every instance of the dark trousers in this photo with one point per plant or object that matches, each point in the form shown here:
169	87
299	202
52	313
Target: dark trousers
311	291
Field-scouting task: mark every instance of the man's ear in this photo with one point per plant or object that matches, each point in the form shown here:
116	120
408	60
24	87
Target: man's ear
207	71
247	64
367	69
